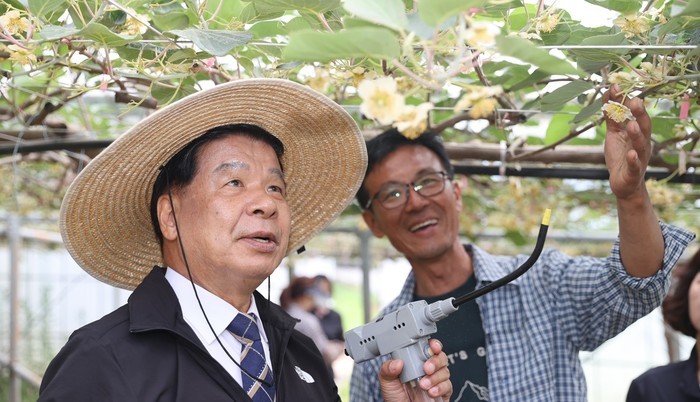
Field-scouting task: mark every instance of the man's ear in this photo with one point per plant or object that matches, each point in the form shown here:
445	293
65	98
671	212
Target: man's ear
457	191
166	221
372	223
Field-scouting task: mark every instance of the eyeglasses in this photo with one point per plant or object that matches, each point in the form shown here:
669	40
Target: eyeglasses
394	195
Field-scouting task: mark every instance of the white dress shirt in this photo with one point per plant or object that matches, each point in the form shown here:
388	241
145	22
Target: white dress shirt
220	314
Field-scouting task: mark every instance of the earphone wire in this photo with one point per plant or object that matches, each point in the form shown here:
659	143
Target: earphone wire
194	288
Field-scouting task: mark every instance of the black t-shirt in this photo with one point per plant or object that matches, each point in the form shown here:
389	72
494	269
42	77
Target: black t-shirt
464	343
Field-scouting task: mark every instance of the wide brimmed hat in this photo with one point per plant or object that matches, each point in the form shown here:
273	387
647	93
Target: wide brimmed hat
105	216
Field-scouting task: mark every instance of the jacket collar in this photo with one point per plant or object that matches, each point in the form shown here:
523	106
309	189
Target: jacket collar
689	379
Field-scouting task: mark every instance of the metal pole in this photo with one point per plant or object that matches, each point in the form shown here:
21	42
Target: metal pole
366	256
14	242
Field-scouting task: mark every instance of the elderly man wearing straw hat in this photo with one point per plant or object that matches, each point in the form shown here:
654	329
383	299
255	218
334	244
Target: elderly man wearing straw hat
194	208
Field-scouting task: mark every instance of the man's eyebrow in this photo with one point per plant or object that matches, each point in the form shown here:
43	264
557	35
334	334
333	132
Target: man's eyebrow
277	172
236	165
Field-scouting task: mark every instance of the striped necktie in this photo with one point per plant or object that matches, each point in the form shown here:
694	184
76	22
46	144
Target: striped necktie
256	377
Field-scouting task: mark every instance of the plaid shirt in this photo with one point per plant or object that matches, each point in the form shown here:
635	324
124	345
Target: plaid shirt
536	325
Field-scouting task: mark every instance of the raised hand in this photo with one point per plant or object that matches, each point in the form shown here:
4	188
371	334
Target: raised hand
627	143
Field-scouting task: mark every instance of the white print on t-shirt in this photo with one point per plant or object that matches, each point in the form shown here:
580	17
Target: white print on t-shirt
459	355
481	392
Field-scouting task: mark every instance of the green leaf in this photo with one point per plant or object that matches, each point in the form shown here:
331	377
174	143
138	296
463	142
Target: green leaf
182	55
692	9
588	111
55	32
221	13
623	6
534	77
166	94
101	34
315	6
47	8
267	29
298	24
214	42
81	12
558	128
602	54
176	19
8	4
526	51
355	42
434	12
520	17
556	99
389	13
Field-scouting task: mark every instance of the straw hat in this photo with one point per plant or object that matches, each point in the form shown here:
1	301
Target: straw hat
105	217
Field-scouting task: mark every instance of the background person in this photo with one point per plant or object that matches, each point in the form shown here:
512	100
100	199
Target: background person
678	381
195	207
521	341
298	301
331	321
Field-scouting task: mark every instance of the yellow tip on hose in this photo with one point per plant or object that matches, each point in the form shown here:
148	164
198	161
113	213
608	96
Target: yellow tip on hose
547	215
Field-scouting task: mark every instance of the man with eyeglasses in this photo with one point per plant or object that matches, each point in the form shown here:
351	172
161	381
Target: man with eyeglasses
521	341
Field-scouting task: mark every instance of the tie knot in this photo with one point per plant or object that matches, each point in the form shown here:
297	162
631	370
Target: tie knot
244	326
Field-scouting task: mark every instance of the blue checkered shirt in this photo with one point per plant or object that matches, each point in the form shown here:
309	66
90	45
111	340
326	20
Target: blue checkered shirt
536	325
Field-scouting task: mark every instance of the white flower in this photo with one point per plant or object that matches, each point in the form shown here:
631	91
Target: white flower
546	22
13	23
320	80
135	23
413	120
481	34
617	111
622	78
632	25
380	99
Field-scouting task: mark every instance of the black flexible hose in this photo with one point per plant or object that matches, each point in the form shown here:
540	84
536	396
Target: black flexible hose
542	235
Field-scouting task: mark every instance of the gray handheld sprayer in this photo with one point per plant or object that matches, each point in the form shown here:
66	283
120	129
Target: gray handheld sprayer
405	332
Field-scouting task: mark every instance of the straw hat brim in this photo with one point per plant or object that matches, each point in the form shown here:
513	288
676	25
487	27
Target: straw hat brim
105	216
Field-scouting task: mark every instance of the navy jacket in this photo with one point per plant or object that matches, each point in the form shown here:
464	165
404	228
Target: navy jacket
674	382
145	351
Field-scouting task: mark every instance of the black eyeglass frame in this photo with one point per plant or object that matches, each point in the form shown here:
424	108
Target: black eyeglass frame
416	188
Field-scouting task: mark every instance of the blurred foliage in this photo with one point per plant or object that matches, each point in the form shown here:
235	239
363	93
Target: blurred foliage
494	71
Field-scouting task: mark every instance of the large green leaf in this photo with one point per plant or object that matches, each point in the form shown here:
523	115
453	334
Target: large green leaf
556	99
299	23
531	79
434	12
55	32
316	6
167	93
220	13
520	17
82	12
356	42
267	29
7	4
47	8
101	34
214	42
526	51
173	16
588	111
389	13
623	6
558	128
597	53
692	9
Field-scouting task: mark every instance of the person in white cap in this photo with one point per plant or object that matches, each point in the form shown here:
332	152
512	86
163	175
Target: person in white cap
193	208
